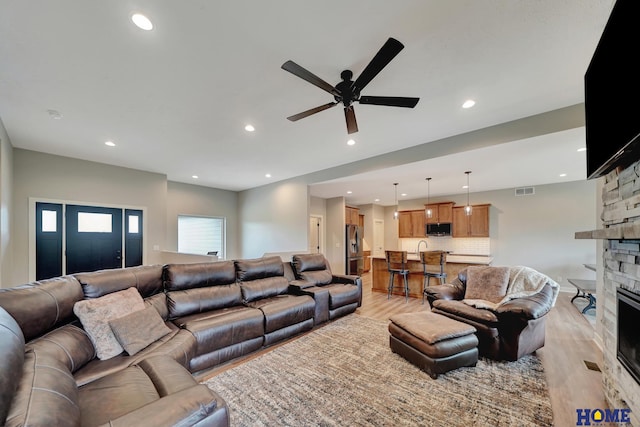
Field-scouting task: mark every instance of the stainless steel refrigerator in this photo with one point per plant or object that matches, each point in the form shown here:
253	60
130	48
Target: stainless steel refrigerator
354	256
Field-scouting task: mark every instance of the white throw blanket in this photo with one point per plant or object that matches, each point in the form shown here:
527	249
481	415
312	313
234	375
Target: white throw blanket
523	282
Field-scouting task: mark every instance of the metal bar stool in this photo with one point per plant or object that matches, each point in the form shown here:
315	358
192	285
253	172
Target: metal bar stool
433	259
397	264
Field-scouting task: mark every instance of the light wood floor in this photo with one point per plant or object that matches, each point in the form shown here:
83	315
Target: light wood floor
569	342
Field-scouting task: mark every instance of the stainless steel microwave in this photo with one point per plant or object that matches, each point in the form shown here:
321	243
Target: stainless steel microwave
442	229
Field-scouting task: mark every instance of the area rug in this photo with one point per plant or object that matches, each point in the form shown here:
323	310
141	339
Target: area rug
344	374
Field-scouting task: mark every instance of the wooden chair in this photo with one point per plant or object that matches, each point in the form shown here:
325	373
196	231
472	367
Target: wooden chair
397	264
433	263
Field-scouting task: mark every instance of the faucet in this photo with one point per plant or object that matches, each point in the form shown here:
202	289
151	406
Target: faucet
425	246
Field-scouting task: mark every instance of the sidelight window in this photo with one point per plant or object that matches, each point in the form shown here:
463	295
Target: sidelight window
49	221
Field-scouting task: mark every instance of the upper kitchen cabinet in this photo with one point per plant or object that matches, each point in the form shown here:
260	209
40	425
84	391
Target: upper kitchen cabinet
475	225
442	213
352	216
411	224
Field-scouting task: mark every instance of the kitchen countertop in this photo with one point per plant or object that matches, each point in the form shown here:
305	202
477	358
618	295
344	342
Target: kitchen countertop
455	258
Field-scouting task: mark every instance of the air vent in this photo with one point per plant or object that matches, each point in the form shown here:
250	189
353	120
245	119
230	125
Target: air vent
525	191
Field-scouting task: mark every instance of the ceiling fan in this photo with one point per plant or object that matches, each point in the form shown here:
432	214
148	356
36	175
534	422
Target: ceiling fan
347	91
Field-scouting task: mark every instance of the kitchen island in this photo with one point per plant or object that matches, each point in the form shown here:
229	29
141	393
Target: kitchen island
455	263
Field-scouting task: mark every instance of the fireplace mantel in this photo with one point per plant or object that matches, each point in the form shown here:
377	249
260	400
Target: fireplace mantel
627	231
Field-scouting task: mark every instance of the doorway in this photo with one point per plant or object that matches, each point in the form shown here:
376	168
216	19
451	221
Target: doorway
316	233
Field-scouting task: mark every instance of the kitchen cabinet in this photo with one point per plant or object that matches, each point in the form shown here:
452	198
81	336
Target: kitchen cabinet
475	225
352	216
442	213
367	261
411	223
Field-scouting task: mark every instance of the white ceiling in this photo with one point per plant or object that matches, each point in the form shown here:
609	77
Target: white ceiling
175	100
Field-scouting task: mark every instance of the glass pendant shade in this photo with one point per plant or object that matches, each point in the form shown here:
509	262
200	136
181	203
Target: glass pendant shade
468	208
395	213
428	212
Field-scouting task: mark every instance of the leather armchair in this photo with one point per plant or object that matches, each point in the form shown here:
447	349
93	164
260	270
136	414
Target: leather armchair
514	329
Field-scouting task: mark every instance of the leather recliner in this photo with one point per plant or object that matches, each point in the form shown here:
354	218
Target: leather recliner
514	329
335	295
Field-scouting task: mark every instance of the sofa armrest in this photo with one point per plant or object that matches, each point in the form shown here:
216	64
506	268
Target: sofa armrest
184	408
296	286
447	292
345	278
531	307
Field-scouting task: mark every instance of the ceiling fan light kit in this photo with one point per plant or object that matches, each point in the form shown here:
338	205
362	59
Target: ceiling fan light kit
348	91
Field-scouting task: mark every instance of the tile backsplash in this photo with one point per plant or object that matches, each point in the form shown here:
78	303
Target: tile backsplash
459	246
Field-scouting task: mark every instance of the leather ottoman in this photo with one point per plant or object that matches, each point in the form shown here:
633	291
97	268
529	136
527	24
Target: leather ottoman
434	343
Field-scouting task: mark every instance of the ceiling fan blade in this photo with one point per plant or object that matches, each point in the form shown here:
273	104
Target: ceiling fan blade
387	52
307	113
304	74
391	101
350	116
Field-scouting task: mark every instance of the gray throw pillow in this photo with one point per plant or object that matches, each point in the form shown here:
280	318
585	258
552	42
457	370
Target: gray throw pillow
94	314
137	330
487	283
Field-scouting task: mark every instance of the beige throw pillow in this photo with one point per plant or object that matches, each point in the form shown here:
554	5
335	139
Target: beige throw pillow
137	330
487	283
95	314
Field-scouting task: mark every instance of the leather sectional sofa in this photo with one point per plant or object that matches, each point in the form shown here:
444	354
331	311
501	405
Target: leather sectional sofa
213	313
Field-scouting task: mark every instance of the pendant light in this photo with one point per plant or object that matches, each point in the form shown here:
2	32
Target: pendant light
427	211
395	213
467	209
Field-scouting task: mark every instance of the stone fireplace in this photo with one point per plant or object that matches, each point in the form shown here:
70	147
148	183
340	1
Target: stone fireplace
621	270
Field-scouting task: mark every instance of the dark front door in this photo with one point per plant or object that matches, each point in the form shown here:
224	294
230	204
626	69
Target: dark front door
48	240
93	237
132	237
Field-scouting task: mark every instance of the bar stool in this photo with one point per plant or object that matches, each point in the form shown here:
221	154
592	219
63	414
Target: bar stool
397	264
432	258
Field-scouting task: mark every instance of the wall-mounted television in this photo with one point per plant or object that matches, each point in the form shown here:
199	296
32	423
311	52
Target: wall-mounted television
612	93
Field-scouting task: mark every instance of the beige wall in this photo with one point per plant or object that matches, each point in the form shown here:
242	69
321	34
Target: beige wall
274	218
6	199
186	199
336	234
48	177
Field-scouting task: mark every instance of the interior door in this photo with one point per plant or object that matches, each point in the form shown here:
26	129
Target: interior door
314	235
378	238
93	238
48	240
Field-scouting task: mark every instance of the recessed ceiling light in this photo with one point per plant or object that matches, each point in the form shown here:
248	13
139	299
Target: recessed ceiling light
349	192
582	149
468	103
376	200
142	21
351	142
563	175
110	143
403	194
194	176
465	186
249	128
267	175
